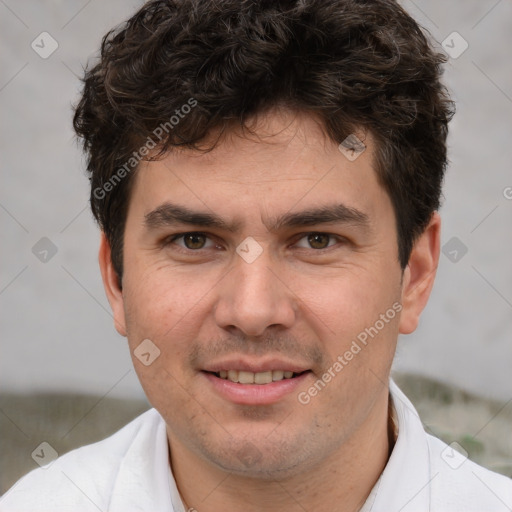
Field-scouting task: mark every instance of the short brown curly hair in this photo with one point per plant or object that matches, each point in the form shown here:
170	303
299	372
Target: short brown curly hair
355	64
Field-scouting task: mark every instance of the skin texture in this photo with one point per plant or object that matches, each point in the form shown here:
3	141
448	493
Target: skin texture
295	302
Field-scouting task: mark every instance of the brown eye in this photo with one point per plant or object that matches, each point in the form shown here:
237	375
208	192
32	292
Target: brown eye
194	240
318	240
191	241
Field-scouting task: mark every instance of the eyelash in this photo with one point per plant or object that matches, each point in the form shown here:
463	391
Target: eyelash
170	240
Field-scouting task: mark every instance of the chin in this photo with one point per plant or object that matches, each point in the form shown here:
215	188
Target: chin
263	461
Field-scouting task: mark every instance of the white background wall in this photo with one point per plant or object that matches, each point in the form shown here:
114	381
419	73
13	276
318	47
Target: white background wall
56	328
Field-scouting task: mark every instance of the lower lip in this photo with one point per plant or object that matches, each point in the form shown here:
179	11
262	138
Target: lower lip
255	394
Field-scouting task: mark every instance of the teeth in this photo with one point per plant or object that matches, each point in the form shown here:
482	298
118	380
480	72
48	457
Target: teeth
277	375
244	377
263	377
233	375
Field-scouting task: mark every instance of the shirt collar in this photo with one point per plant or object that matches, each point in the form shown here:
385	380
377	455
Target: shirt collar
404	485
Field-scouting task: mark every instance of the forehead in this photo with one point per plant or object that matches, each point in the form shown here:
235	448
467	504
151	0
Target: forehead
283	159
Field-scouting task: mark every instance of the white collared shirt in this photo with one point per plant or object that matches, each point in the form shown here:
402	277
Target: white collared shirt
130	471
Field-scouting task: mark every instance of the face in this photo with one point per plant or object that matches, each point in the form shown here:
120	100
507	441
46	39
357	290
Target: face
266	274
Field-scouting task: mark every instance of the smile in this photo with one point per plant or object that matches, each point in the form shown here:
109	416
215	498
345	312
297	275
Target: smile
245	377
243	387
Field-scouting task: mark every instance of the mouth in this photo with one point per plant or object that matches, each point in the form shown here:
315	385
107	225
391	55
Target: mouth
260	378
243	387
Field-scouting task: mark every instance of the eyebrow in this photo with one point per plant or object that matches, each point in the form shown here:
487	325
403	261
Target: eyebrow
337	213
169	214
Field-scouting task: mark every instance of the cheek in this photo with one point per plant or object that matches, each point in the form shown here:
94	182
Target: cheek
169	308
361	311
158	297
163	314
351	299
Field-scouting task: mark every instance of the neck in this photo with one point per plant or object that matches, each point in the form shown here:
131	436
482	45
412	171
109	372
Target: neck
345	478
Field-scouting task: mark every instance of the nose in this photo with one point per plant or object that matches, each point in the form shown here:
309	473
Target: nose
253	298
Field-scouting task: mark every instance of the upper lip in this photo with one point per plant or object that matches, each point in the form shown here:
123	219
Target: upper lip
255	366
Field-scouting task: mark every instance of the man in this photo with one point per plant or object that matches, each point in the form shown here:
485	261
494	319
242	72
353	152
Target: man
266	176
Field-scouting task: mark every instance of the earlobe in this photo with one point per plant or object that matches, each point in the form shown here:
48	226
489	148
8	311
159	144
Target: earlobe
419	275
111	285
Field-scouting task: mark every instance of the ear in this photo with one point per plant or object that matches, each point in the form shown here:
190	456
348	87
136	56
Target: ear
111	285
419	275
